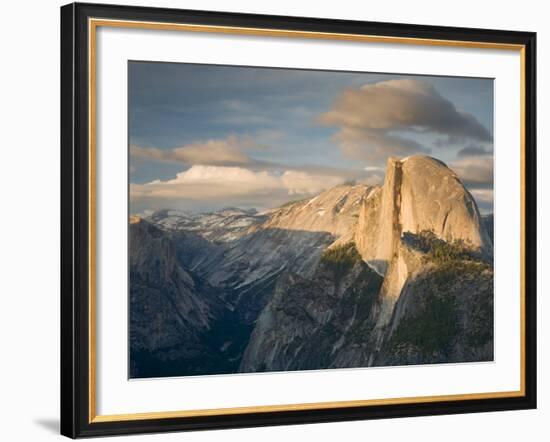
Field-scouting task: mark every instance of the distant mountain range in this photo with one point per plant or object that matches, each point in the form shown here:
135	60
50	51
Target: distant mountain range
356	276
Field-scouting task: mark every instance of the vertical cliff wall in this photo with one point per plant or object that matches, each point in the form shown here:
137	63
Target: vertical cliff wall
356	276
419	193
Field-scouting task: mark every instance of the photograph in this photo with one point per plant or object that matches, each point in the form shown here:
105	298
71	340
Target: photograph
293	219
284	219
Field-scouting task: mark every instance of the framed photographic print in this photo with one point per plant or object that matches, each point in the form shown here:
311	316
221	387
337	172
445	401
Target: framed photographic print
278	220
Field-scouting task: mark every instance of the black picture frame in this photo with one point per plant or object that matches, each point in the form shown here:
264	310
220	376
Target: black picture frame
75	220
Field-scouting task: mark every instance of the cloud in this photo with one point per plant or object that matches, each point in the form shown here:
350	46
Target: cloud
148	153
477	174
375	145
230	151
374	169
484	199
221	185
483	196
233	151
475	171
371	117
472	151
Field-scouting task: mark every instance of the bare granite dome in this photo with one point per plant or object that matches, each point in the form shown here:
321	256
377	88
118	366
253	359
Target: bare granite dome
419	193
344	279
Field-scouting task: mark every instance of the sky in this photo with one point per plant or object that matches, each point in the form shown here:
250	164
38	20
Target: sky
205	137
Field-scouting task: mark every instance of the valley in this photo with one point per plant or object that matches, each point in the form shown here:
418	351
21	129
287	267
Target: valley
355	276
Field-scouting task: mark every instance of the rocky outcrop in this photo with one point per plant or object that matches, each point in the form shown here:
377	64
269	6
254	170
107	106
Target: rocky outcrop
421	202
334	211
444	313
311	323
343	317
222	226
356	276
291	237
167	313
419	193
177	320
199	281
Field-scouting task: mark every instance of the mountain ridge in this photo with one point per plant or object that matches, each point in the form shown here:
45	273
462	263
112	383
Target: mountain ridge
260	263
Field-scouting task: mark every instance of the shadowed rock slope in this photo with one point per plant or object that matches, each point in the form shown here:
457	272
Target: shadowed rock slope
310	323
356	276
178	322
421	234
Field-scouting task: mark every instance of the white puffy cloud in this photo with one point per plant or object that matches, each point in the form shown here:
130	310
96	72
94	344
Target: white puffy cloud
374	119
299	182
223	185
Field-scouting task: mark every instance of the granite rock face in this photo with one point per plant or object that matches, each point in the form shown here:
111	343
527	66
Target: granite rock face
223	226
356	276
312	323
419	193
444	315
343	316
421	201
289	237
169	309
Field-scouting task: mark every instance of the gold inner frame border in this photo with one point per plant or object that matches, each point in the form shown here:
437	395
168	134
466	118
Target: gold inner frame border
93	24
